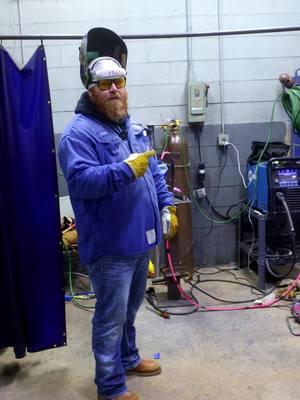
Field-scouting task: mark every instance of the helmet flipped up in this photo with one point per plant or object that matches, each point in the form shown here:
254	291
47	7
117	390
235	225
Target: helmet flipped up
97	46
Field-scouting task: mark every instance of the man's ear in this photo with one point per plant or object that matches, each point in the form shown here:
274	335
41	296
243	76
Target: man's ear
91	92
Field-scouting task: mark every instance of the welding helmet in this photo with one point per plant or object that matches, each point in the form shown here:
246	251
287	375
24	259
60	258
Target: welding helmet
101	43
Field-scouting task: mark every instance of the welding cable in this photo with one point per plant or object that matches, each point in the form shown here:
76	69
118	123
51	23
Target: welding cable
211	206
253	233
281	198
229	270
288	256
150	298
207	233
262	293
234	282
209	230
268	303
164	153
250	285
239	278
289	326
219	270
219	179
199	271
270	269
184	295
241	201
195	286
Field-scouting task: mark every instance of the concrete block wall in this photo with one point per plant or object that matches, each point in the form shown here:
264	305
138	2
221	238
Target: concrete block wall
158	70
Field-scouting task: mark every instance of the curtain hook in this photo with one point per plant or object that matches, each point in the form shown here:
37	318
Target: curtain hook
42	43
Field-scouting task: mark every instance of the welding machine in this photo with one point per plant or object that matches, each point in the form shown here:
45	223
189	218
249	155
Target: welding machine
266	179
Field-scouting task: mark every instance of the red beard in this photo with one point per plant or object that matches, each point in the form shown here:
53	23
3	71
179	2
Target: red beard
116	109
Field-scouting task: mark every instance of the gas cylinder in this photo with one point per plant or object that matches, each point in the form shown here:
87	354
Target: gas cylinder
177	159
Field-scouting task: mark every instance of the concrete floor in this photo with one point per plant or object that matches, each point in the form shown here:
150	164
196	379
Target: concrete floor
219	355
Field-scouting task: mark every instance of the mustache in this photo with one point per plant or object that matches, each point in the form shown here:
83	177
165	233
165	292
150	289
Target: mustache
116	110
116	96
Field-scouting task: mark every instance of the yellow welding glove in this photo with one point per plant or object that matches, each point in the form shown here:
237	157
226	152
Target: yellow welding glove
138	162
169	222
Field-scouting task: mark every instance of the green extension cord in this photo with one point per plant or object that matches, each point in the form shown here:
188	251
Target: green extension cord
291	104
250	202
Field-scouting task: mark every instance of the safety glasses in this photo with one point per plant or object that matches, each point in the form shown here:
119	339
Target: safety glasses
105	84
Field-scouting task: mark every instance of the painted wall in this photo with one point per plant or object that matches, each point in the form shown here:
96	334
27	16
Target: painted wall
158	70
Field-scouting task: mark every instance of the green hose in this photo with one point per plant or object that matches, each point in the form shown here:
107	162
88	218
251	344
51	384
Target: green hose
291	104
250	202
74	301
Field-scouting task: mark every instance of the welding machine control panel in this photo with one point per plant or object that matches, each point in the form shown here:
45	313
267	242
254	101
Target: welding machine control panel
286	177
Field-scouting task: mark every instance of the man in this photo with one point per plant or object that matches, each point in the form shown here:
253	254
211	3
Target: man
119	196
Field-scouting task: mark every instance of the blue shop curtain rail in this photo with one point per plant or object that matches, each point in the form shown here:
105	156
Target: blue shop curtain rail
32	309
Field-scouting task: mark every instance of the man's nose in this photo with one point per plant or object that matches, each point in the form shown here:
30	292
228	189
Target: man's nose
113	87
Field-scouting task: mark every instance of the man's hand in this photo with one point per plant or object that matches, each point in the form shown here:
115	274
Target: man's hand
138	162
169	222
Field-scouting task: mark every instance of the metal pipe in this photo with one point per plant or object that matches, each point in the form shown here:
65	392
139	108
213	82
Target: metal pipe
221	68
20	30
188	40
159	35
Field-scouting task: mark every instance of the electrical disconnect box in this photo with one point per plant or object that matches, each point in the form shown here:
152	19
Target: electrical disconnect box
197	100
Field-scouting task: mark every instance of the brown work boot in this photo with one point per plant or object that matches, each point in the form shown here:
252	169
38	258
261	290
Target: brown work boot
125	396
145	368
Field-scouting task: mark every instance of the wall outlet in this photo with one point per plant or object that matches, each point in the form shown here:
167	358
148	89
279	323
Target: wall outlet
222	139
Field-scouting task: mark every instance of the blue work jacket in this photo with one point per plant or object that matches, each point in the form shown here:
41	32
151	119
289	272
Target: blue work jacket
115	214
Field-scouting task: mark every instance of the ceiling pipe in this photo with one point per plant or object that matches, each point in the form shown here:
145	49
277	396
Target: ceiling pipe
160	35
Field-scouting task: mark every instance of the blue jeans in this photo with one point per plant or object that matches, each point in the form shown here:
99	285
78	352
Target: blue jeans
119	284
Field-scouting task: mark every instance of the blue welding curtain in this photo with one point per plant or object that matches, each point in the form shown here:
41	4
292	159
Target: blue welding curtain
32	311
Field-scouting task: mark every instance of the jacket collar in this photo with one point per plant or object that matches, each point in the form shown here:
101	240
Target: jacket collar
86	107
126	127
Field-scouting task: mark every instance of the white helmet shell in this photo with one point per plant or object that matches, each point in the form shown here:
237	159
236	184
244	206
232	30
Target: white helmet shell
105	68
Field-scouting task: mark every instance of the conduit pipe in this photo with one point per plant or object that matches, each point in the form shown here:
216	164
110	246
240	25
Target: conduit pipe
159	35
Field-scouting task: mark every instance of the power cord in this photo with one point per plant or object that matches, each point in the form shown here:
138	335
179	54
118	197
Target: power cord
238	160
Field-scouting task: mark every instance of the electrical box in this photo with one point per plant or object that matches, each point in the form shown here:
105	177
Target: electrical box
197	101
